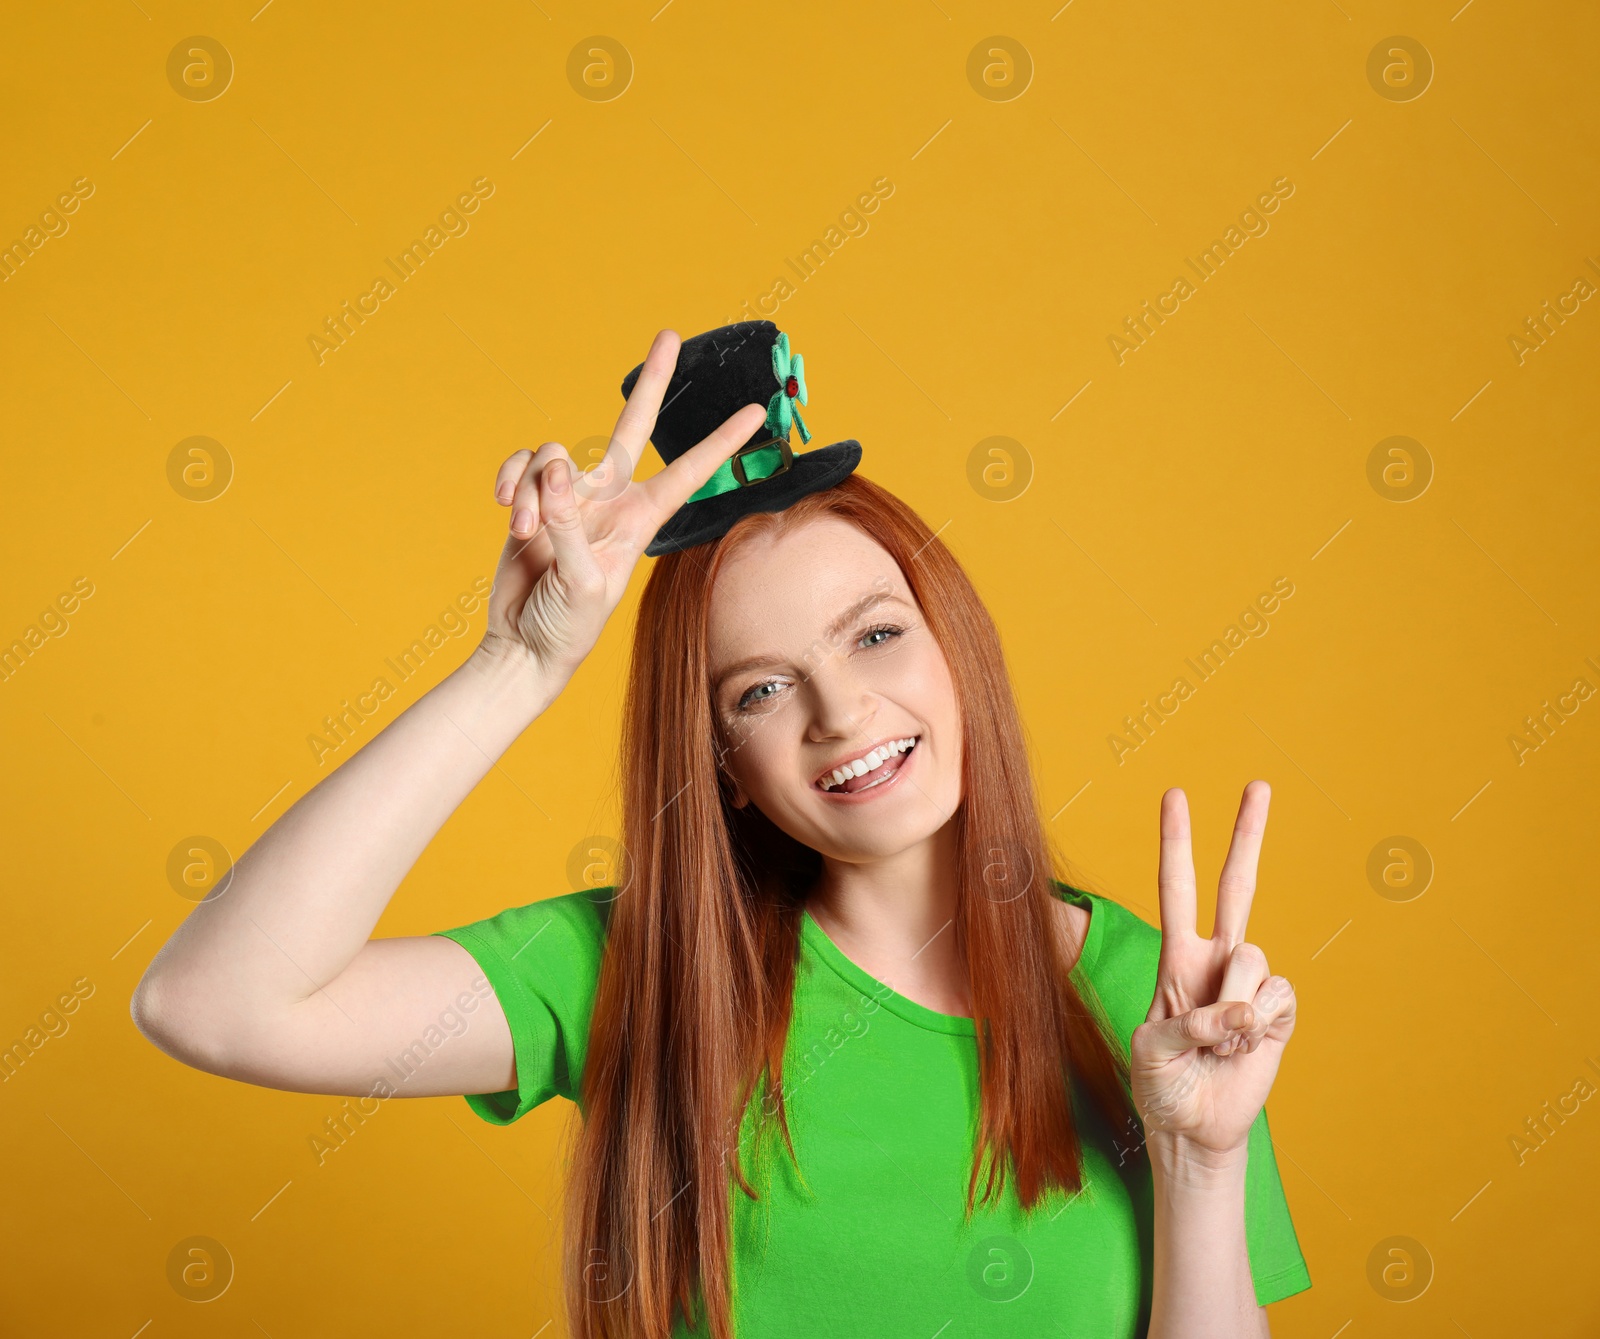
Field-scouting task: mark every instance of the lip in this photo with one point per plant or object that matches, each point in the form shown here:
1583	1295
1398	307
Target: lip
860	796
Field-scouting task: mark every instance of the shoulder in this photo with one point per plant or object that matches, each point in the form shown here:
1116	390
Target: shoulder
1121	950
1072	923
557	938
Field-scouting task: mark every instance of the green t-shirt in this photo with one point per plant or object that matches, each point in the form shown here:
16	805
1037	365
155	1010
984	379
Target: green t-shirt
868	1236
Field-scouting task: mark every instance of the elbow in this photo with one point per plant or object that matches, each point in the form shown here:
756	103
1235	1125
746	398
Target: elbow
190	1019
152	1013
171	1023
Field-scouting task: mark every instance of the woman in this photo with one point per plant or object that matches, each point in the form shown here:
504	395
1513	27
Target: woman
849	1060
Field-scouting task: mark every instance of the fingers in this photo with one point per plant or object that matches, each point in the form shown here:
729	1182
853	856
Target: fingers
638	415
505	482
1246	970
670	489
563	524
526	512
1242	981
1198	1029
607	477
611	474
1274	1006
1236	889
1175	878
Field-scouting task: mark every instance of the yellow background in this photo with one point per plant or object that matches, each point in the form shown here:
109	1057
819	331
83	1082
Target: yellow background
1229	451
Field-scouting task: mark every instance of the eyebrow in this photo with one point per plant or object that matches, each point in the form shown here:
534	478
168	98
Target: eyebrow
829	634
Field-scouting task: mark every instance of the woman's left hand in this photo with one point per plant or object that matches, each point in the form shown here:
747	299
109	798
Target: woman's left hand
1205	1057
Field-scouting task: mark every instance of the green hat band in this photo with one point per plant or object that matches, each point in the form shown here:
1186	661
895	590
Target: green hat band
761	463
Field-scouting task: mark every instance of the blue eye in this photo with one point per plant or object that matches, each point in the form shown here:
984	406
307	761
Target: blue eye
750	697
755	696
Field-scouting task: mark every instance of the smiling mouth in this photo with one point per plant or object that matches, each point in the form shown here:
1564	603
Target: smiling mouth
872	769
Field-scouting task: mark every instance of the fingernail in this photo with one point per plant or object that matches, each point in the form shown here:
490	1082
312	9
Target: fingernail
522	520
503	493
558	476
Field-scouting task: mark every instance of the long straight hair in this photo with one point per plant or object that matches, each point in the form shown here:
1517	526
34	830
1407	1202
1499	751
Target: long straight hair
692	1006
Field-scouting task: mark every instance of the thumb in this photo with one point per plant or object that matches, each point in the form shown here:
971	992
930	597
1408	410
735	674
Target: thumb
1208	1026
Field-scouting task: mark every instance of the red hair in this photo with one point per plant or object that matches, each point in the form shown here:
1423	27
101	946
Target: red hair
691	1010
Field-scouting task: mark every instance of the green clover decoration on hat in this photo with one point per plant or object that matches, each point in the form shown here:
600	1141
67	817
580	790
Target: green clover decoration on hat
784	407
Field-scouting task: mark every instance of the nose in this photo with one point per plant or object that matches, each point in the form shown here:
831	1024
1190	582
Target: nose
841	705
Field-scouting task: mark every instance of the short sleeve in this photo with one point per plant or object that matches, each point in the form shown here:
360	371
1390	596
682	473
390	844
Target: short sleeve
1277	1266
542	960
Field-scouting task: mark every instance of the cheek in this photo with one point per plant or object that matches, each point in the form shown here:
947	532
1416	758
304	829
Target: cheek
757	755
927	691
921	684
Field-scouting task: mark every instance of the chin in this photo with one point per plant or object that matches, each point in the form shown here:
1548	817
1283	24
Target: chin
866	833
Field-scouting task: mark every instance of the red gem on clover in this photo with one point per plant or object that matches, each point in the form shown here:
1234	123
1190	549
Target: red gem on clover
791	387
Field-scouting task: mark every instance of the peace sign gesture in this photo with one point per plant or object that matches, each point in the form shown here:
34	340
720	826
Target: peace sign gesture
575	537
1205	1057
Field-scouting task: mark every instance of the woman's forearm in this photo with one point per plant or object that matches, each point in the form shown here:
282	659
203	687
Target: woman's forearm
1202	1287
304	899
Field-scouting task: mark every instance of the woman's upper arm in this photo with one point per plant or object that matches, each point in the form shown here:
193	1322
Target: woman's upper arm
409	1017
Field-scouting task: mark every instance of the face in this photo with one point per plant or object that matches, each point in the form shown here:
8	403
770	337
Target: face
835	700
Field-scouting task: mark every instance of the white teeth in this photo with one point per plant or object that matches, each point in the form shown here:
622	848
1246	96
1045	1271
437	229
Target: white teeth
872	761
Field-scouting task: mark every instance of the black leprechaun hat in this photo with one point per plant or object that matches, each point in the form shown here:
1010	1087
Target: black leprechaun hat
717	374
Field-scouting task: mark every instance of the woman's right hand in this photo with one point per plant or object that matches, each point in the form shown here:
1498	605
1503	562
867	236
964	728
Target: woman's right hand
575	537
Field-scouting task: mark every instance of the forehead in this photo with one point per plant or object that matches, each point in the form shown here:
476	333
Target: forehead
774	591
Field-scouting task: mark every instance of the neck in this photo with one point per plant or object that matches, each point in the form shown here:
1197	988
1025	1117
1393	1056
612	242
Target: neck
895	917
